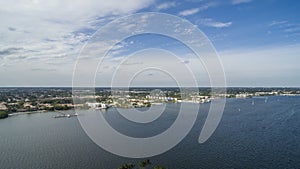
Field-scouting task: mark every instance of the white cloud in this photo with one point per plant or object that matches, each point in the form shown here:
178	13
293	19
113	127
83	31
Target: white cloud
165	5
235	2
292	29
287	28
189	12
276	23
70	10
196	10
36	34
211	23
46	28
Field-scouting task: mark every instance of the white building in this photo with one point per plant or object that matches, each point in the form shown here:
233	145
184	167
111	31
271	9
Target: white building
97	105
93	105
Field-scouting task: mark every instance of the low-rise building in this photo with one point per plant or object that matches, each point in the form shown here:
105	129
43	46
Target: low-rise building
3	106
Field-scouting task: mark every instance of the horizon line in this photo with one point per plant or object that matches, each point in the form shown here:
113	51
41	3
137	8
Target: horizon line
150	87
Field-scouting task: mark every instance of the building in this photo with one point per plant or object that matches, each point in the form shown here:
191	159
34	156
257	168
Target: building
97	105
3	106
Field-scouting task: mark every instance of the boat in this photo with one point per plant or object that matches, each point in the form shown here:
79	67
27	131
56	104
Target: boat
64	115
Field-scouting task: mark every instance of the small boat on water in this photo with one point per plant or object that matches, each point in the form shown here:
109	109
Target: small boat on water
157	104
64	115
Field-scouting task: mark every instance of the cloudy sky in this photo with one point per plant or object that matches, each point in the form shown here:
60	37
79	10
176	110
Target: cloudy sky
258	41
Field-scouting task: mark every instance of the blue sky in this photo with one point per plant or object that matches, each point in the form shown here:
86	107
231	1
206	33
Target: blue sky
258	41
244	24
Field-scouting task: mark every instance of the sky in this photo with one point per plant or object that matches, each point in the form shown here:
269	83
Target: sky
257	41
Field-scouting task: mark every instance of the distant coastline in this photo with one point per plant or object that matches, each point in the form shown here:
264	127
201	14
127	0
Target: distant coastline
14	101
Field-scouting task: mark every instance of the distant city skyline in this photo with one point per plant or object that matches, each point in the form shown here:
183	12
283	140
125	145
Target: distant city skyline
258	42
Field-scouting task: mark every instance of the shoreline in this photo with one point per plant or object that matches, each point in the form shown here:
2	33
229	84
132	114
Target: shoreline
156	104
27	112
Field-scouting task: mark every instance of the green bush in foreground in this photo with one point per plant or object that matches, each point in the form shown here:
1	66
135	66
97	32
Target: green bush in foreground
3	115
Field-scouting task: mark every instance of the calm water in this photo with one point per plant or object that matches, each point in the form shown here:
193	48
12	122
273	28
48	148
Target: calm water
263	135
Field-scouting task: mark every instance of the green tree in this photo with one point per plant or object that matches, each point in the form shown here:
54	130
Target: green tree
144	163
3	115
